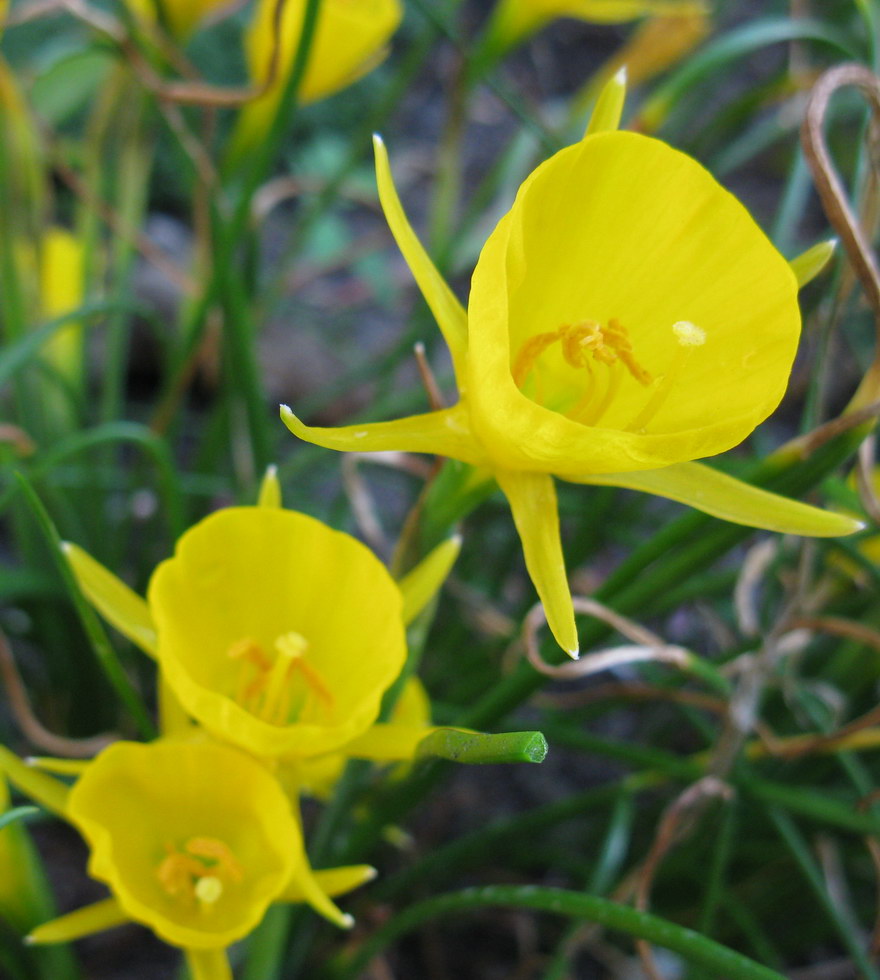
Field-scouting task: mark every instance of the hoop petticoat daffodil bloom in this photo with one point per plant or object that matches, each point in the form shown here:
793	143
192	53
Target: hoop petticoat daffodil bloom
273	631
194	839
626	316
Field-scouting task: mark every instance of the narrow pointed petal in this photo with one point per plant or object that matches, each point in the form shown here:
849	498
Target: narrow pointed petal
208	964
58	767
609	105
724	496
809	264
388	742
270	489
421	584
532	498
83	922
42	789
447	310
333	881
121	606
444	433
313	894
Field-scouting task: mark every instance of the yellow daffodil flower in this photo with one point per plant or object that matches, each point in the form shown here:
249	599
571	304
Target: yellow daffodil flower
61	290
512	21
350	39
194	839
626	317
274	632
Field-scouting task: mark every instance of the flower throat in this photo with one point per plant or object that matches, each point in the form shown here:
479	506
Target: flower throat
588	346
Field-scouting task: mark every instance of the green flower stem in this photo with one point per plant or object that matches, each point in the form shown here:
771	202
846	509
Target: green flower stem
696	949
103	649
475	748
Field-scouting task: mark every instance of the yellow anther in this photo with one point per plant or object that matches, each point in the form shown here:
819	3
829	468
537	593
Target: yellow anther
208	889
251	652
218	852
176	872
198	870
581	344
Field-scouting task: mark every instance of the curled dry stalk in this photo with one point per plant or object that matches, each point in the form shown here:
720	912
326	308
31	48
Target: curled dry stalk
745	594
864	478
191	92
646	646
834	197
31	727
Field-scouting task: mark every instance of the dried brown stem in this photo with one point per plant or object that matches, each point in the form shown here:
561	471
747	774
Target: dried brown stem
16	437
31	727
864	478
646	645
834	196
676	823
429	382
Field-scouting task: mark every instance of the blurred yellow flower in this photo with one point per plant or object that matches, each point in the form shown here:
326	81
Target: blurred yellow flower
181	17
194	839
626	316
512	21
350	39
62	265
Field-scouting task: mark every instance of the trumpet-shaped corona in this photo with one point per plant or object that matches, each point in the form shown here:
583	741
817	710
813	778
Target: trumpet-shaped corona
275	632
194	839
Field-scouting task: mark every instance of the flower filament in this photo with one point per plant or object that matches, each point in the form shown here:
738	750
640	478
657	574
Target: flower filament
266	687
588	342
198	871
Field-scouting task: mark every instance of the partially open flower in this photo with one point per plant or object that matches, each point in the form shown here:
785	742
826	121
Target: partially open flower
277	633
